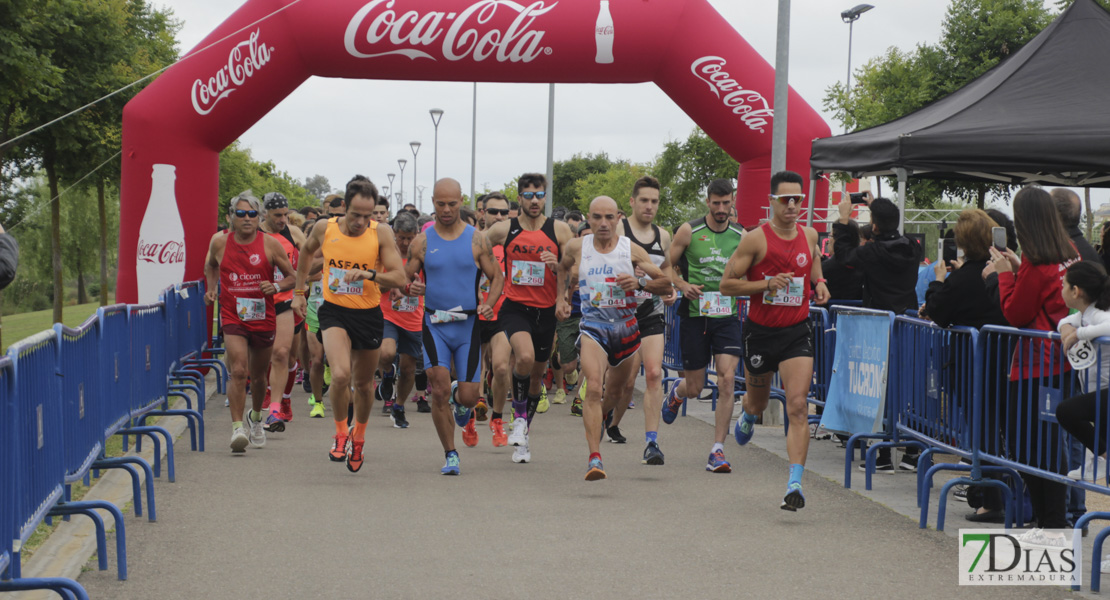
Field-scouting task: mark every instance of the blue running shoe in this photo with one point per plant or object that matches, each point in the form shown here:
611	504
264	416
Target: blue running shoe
462	413
744	429
595	470
452	465
793	500
717	463
672	403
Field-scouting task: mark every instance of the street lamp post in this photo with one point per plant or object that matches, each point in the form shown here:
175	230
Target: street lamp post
850	16
415	148
402	162
437	114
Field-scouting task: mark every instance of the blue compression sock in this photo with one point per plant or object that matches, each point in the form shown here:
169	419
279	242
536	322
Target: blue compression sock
652	436
796	474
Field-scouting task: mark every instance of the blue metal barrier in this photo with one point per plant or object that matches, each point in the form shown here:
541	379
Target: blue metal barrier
80	372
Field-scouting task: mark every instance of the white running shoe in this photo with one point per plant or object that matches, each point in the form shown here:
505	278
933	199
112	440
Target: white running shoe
1094	468
239	440
519	436
257	432
521	454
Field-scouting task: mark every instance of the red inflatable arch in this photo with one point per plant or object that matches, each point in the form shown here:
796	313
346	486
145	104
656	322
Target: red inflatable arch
174	130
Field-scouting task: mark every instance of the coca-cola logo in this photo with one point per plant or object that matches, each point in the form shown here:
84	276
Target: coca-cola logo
244	60
749	104
162	253
458	34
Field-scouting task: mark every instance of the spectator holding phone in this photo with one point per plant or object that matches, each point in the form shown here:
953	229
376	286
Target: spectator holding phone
960	297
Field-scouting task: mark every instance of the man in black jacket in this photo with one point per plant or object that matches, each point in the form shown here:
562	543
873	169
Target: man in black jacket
1067	206
888	264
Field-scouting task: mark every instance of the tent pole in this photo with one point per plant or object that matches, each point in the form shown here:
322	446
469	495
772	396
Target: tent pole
812	193
902	176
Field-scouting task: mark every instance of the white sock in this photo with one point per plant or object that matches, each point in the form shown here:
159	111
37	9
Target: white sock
717	447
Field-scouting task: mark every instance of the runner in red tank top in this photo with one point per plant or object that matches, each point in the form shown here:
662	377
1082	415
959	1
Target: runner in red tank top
401	335
527	317
773	266
496	351
275	223
243	260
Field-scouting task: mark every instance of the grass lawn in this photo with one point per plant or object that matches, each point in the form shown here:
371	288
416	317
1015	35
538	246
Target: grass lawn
16	327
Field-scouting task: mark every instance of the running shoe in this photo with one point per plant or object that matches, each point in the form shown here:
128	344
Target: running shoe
452	465
793	500
470	434
397	415
652	454
560	396
274	424
306	385
481	409
422	405
239	440
743	430
354	455
818	432
595	470
317	411
300	377
285	413
266	400
327	375
227	402
614	433
497	428
519	436
576	407
717	463
256	432
522	455
385	388
544	404
339	448
1094	467
631	404
387	407
672	403
548	379
880	467
462	413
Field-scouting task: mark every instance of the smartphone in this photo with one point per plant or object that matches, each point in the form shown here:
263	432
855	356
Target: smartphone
858	197
948	251
998	238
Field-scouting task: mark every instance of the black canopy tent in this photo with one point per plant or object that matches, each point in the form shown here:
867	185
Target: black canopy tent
1040	116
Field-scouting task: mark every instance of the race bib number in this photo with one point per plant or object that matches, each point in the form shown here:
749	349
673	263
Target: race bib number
527	272
792	295
316	295
446	316
338	287
1082	355
250	309
604	294
713	304
483	286
278	276
405	304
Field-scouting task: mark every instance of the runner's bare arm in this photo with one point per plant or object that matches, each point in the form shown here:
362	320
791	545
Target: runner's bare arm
311	247
415	265
498	233
733	282
298	236
277	256
483	253
816	273
660	284
394	276
212	266
571	251
678	247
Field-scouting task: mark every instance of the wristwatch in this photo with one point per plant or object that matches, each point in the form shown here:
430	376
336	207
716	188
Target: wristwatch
643	282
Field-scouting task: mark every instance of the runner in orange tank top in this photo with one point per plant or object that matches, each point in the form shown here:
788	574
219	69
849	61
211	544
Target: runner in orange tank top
350	318
532	243
773	265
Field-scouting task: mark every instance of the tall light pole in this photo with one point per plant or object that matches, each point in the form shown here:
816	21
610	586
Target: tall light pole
850	16
390	177
402	162
474	147
782	89
415	148
437	114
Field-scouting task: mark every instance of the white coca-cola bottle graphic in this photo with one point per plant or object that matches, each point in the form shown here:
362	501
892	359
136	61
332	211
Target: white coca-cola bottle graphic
603	34
160	259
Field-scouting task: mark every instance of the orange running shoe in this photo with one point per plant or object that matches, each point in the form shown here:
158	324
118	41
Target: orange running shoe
354	455
497	428
481	409
339	448
470	434
286	410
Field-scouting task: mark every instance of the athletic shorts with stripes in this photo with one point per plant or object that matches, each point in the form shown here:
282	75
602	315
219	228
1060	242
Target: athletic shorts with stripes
458	342
620	339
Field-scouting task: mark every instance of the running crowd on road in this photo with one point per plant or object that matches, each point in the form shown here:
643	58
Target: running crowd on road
481	315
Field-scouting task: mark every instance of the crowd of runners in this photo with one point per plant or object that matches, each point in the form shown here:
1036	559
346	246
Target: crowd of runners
471	313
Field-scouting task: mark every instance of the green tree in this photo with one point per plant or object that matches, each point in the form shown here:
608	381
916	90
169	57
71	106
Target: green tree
317	186
567	173
616	183
976	36
239	171
684	170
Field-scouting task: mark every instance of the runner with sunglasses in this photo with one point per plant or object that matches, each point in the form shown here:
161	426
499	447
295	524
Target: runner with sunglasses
532	245
496	351
243	260
350	317
774	267
709	327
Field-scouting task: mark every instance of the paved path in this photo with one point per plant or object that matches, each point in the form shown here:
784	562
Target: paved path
284	522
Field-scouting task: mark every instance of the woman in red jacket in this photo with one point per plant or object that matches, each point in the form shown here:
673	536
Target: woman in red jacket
1030	299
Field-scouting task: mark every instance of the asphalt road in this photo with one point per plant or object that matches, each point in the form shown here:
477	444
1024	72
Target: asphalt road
285	522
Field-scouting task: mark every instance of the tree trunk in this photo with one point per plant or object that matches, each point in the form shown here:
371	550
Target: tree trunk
103	242
55	232
82	297
1090	215
981	200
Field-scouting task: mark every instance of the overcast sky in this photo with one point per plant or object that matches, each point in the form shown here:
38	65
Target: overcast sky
309	132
